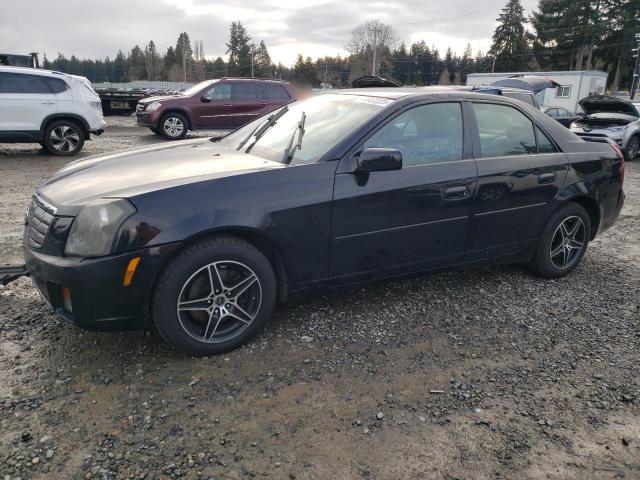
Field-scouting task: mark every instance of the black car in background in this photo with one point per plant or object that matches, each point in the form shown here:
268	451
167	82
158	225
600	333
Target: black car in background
339	189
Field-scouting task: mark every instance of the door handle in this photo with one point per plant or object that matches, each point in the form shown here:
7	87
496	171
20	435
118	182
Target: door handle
48	102
455	193
547	178
263	104
228	105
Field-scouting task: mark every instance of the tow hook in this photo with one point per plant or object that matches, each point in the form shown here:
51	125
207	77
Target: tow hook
9	274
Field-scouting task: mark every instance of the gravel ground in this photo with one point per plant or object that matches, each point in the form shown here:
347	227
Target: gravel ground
483	373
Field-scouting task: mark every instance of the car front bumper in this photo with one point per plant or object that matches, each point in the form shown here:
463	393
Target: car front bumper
99	299
148	119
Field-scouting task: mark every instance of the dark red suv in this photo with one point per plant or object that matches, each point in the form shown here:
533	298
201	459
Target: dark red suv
225	103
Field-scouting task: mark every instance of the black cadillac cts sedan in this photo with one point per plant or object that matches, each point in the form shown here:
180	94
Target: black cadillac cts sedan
204	237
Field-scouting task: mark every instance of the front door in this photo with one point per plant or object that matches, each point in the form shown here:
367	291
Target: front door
411	219
213	108
520	172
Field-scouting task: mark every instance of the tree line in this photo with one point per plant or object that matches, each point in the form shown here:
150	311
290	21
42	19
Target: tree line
562	35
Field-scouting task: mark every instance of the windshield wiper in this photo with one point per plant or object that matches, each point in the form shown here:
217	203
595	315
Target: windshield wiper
261	130
291	150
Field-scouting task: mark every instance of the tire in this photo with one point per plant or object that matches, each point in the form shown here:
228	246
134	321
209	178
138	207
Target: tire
632	149
193	314
63	137
155	130
559	238
173	126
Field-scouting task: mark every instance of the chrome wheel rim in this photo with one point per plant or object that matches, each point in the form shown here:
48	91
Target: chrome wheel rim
173	126
64	138
567	243
219	301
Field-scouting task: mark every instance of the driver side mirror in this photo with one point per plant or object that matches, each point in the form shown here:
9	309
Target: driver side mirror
205	99
379	160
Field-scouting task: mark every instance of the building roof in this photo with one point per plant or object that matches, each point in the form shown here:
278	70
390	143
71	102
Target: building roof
596	73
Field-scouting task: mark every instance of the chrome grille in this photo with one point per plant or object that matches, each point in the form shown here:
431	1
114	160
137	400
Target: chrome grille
38	221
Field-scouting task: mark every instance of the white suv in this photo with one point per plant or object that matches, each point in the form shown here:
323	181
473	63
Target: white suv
56	110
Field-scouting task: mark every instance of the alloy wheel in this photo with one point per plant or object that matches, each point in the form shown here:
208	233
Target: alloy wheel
219	301
64	138
173	126
567	243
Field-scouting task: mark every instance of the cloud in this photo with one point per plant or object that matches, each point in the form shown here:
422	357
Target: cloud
311	27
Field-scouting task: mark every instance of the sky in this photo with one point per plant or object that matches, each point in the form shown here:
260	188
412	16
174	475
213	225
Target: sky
92	29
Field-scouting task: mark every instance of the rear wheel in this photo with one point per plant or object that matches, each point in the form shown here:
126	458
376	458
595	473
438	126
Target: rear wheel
563	242
63	137
214	296
173	126
633	148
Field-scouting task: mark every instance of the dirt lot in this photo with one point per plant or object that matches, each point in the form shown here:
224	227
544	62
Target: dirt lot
477	374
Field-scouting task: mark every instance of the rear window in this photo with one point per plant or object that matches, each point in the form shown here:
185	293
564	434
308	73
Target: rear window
277	92
56	85
21	83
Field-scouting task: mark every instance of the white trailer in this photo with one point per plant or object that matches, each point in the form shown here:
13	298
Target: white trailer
574	86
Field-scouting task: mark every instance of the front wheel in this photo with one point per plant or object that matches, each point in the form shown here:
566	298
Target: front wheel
563	242
633	148
214	296
63	137
173	126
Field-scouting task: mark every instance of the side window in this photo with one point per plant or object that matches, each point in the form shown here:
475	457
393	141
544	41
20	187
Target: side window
220	92
553	113
56	85
425	134
544	144
244	91
504	131
19	83
276	92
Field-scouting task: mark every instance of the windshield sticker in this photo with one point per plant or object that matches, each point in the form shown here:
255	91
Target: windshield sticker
380	101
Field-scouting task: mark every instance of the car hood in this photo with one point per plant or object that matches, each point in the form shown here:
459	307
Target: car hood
604	103
135	172
159	98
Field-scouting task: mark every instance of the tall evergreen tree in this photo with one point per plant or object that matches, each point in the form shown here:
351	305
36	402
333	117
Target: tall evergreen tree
152	62
262	61
184	57
509	45
239	51
136	64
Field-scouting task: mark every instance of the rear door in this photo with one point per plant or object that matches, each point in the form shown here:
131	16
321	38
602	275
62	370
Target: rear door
248	103
25	101
213	108
411	219
520	172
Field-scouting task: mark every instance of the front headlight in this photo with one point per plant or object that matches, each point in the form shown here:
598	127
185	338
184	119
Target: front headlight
619	129
153	106
94	229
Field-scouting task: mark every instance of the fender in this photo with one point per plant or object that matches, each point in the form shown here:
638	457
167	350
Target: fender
58	115
588	196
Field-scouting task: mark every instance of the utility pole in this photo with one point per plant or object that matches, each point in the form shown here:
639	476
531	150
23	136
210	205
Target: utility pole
493	64
252	47
636	72
325	73
375	47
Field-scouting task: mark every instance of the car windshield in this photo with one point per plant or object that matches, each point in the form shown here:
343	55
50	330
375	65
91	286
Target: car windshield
196	88
316	125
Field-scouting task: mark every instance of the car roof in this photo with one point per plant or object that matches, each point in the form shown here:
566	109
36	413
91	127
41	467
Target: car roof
462	91
32	71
